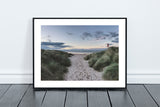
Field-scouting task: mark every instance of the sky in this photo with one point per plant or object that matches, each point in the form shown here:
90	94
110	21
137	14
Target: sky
78	36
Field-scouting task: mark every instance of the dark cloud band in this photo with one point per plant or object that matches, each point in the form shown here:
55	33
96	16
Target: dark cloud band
53	45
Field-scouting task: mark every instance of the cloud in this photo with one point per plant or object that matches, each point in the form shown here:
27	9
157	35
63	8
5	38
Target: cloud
116	40
100	38
69	33
106	35
114	34
98	35
53	45
86	35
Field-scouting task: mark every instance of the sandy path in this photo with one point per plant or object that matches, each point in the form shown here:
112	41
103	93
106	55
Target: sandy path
80	70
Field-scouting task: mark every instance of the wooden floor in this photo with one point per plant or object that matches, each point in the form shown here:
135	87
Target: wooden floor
134	96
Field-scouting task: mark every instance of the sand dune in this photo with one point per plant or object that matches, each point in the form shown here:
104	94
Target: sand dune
80	70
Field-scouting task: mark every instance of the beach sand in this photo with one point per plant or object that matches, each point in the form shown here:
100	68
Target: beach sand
80	70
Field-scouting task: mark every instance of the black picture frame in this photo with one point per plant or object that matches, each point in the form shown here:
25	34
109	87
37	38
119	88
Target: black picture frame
125	72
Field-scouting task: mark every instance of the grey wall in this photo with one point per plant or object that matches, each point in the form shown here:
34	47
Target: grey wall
16	30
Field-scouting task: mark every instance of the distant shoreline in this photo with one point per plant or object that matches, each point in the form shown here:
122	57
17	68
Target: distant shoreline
80	53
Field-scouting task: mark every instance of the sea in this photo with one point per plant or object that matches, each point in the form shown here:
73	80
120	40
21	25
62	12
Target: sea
84	51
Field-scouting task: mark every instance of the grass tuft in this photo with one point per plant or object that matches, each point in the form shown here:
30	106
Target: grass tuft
54	64
106	62
111	72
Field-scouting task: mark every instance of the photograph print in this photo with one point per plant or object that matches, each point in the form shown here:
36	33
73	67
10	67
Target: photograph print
79	53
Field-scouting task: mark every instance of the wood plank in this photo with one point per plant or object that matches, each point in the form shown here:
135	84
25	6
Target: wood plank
55	98
32	98
3	89
120	98
76	99
13	96
140	96
154	91
98	99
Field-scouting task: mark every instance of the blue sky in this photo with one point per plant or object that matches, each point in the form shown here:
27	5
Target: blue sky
78	37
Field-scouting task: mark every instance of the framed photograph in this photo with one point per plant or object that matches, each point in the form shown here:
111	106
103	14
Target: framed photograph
79	52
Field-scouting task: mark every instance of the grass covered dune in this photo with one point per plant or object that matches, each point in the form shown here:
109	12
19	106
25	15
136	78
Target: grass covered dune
106	62
54	64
